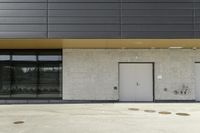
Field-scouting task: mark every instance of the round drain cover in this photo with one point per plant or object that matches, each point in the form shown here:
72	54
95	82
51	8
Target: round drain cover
164	112
183	114
134	109
18	122
150	111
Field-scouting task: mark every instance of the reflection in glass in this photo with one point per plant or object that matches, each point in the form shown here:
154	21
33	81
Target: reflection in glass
24	80
49	85
4	80
50	58
24	57
31	74
4	57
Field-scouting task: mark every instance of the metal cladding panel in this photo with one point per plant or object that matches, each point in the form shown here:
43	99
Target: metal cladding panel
170	27
26	35
159	6
84	6
83	1
84	19
160	1
157	34
197	19
83	28
23	18
156	12
83	35
83	13
100	18
157	19
127	18
26	1
23	6
22	13
22	28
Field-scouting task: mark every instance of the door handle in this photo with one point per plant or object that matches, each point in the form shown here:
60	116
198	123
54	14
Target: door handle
137	84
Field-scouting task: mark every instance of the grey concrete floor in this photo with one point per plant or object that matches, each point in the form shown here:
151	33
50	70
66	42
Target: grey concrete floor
100	118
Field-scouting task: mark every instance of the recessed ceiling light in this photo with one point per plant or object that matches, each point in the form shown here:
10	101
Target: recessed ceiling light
175	47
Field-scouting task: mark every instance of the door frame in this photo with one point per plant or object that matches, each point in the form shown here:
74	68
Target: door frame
195	80
153	76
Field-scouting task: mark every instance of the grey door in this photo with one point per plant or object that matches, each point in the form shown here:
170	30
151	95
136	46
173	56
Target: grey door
136	82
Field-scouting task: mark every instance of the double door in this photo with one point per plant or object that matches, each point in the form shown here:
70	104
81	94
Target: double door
136	82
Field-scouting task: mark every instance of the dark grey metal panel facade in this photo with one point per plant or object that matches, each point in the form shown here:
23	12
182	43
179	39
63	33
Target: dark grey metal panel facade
158	19
197	18
84	19
23	18
84	35
15	1
123	18
85	1
100	18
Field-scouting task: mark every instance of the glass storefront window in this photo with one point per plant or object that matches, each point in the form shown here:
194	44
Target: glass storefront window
24	80
50	58
49	85
24	57
4	57
31	74
5	80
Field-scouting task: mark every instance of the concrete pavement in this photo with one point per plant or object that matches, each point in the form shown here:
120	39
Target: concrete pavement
100	118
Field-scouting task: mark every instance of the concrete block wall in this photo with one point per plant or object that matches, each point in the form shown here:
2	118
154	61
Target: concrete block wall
91	74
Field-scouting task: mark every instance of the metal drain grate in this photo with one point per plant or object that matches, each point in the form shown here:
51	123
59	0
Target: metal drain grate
18	122
150	111
183	114
165	113
134	109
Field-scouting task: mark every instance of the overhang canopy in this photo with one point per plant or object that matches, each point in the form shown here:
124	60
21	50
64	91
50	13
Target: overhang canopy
97	43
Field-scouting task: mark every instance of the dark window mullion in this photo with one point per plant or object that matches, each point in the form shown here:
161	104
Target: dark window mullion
38	76
11	74
58	74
